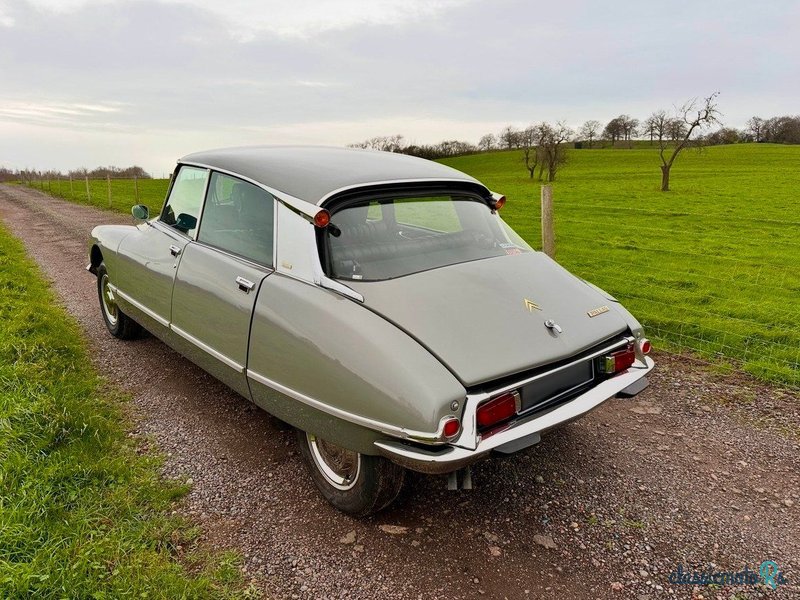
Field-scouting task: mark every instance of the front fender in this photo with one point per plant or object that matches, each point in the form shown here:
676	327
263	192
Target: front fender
104	244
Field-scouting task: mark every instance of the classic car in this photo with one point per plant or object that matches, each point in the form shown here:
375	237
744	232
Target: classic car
376	302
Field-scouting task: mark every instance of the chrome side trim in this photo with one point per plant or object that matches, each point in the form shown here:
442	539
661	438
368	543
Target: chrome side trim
187	336
454	457
387	428
155	316
340	288
205	347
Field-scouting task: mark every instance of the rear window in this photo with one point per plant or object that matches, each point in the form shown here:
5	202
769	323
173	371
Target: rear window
386	238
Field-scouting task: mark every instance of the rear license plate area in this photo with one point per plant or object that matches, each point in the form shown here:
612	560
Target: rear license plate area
556	386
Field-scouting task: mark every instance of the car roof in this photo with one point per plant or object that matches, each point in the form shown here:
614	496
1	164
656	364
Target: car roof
312	173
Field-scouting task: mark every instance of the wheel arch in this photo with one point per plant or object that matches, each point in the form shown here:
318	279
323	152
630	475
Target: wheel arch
95	258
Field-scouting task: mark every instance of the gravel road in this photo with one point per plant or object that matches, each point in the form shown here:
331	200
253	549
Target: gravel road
700	470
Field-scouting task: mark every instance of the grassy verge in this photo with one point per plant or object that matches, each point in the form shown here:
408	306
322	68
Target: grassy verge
83	512
712	266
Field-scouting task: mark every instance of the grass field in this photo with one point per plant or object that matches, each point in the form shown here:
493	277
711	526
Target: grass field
123	192
712	266
83	511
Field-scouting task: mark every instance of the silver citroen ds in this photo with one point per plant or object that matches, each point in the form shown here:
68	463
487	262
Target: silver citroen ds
374	301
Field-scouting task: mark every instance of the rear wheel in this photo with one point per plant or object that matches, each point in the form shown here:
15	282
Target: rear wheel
355	483
118	323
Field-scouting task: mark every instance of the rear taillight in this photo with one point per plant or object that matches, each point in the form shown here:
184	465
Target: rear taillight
645	346
617	361
451	428
497	410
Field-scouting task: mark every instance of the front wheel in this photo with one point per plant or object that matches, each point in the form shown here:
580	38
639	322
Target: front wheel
355	483
118	323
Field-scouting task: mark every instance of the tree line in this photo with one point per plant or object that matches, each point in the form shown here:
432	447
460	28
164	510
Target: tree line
619	131
30	175
543	145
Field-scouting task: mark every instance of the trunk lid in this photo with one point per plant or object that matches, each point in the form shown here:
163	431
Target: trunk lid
485	319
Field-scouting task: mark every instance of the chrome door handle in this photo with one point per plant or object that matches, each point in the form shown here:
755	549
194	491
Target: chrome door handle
174	250
245	284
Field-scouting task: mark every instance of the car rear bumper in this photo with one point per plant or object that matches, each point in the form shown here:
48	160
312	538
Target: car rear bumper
519	434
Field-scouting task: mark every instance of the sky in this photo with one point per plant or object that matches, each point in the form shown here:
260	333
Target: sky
87	83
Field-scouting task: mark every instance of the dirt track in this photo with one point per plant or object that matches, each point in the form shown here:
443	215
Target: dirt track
700	470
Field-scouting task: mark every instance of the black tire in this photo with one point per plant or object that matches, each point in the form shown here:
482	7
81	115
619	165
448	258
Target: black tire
119	324
375	484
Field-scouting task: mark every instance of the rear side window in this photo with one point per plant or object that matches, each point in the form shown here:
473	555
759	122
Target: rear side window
239	218
182	209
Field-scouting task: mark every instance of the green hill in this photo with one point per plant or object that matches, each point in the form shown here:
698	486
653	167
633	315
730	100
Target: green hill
712	266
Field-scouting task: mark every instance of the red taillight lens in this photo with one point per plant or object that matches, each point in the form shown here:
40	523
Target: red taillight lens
499	202
451	428
645	346
322	218
618	361
497	410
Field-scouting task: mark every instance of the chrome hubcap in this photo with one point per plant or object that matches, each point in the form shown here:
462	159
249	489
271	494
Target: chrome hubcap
109	302
339	466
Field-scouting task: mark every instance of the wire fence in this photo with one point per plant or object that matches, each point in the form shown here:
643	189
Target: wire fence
115	193
721	287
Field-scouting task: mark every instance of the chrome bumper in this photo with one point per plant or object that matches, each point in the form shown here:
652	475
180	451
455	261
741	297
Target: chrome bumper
520	434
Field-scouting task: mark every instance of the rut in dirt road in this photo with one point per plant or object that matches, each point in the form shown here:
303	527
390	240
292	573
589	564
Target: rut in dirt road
606	507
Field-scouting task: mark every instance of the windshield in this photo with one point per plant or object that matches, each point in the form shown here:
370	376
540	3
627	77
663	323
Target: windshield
392	237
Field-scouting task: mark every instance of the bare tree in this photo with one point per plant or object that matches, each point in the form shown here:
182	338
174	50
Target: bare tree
613	130
677	132
386	143
528	143
629	125
676	129
755	126
454	148
488	142
589	131
552	144
509	137
649	128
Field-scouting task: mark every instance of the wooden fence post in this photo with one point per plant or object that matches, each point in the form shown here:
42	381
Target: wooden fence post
136	188
88	193
71	190
548	235
108	182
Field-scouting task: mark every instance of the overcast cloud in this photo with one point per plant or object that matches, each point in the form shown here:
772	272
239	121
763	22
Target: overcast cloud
99	82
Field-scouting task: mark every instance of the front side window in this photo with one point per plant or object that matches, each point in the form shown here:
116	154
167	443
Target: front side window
182	209
239	218
386	238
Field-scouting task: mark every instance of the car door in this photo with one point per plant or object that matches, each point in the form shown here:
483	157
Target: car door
219	277
148	259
